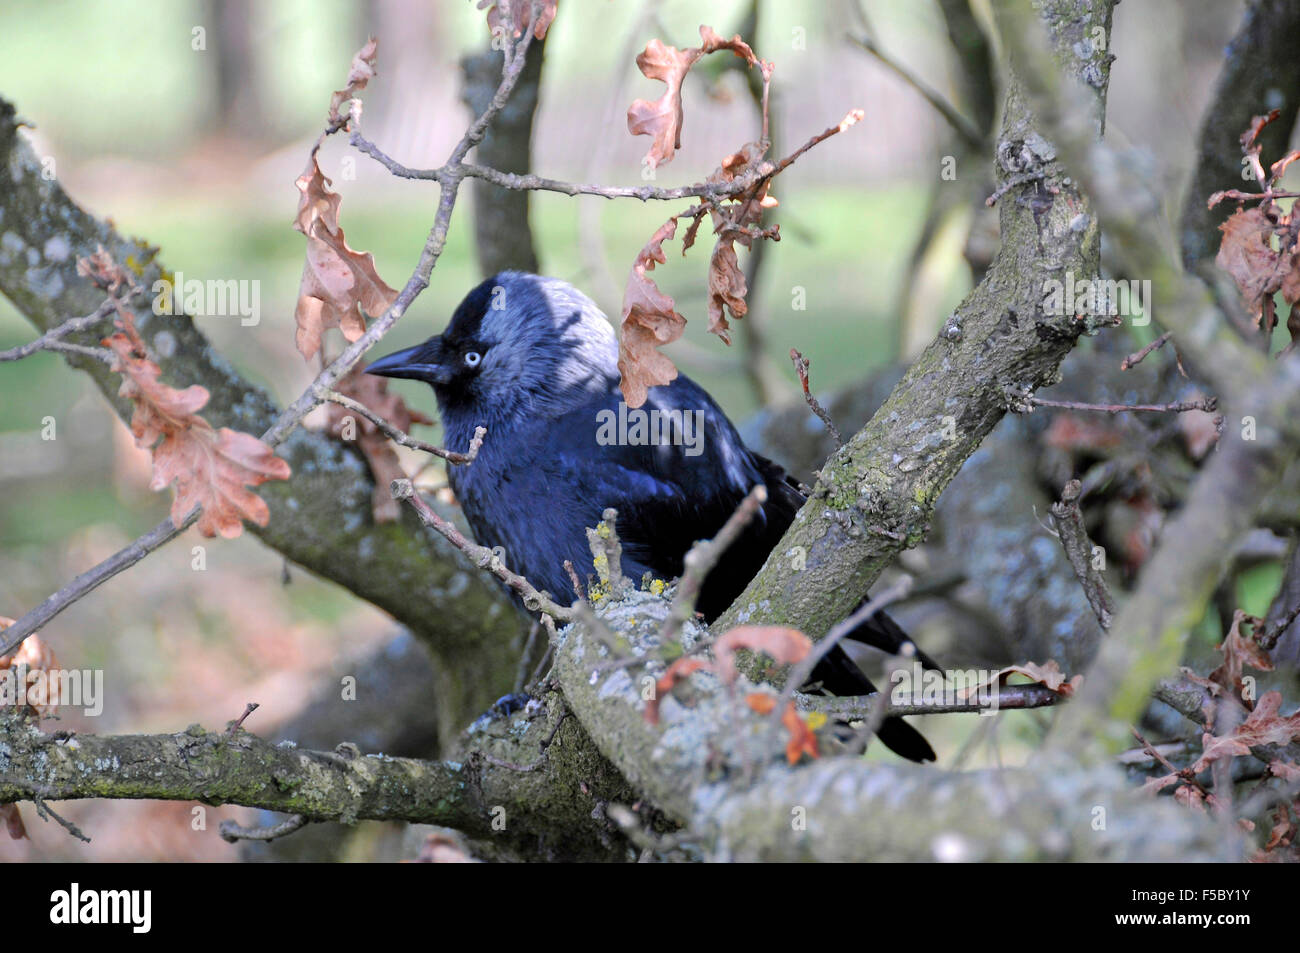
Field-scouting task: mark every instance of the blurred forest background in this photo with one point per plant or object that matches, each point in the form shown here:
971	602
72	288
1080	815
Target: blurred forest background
197	151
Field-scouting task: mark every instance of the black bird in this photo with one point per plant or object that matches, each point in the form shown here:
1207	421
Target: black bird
536	362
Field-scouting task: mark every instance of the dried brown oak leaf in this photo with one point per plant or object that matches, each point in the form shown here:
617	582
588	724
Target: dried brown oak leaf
337	281
521	14
1264	726
735	221
362	72
1239	652
385	466
1247	254
662	118
650	319
211	468
1049	675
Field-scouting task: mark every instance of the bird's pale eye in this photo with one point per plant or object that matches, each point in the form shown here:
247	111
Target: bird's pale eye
472	358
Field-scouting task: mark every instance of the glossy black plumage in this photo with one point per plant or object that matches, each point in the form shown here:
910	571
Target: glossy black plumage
535	362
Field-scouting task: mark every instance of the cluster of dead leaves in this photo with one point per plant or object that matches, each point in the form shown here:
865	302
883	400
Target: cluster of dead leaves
662	118
37	657
1264	725
210	468
1259	246
783	645
340	287
650	318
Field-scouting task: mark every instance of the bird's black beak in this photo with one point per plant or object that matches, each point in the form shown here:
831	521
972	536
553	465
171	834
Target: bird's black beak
421	363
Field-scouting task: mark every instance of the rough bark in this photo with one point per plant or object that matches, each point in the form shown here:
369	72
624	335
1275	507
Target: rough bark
710	764
541	814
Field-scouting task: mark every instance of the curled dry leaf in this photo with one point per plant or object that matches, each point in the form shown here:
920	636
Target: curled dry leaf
1246	253
362	72
803	740
521	15
1263	726
1239	652
211	468
338	283
1284	770
727	289
662	118
104	271
1049	675
385	466
13	821
679	670
650	319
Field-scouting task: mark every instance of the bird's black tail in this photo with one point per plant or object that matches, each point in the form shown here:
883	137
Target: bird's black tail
839	675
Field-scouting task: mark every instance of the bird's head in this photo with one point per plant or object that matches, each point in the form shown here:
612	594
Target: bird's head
518	345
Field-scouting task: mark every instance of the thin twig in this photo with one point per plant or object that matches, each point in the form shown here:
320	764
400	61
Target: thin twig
38	793
1078	550
801	365
701	559
1207	404
1020	178
1137	357
481	556
960	124
124	558
521	674
50	340
801	672
239	722
406	440
233	833
860	707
